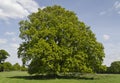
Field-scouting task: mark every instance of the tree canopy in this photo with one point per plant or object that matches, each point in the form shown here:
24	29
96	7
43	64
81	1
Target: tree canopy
115	67
16	67
7	66
55	41
3	55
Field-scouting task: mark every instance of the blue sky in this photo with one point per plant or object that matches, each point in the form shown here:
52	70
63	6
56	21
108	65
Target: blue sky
103	16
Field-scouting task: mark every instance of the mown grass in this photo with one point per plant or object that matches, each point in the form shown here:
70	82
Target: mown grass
24	77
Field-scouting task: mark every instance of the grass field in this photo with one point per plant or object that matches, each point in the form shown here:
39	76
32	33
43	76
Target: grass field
23	77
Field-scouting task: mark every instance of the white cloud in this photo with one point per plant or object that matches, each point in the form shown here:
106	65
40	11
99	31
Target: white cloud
9	33
106	37
29	5
103	13
13	9
118	12
115	8
14	39
116	5
3	41
14	46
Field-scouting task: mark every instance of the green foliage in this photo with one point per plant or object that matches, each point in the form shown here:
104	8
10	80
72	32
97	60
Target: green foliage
102	69
114	68
23	68
16	67
3	55
7	66
1	67
55	41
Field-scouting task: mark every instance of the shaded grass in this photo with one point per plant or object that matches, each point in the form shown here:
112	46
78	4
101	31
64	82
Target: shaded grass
48	77
76	76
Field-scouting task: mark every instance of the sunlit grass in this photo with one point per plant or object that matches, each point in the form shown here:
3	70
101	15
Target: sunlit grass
24	77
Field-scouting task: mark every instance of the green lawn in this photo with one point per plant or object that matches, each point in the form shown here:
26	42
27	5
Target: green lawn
23	77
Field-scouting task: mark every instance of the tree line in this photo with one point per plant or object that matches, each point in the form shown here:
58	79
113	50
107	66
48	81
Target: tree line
7	66
114	68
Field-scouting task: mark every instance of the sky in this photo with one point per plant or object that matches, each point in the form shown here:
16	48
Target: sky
103	16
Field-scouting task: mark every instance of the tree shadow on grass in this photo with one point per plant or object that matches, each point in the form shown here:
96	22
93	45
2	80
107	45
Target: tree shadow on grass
48	77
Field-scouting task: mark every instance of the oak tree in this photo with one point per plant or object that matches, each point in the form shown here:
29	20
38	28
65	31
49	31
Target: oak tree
55	41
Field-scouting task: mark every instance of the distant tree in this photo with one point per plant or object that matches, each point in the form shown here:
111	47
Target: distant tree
3	55
7	66
114	68
55	41
23	68
16	67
